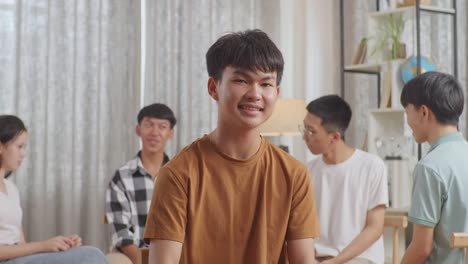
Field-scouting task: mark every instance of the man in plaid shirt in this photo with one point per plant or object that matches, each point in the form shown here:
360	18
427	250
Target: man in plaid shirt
129	193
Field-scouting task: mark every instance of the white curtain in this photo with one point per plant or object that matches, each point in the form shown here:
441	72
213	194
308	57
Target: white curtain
70	70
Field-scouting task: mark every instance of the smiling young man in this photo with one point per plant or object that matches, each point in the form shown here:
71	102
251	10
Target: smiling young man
129	193
350	187
433	103
231	196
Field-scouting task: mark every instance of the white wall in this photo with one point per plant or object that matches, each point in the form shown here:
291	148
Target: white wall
311	47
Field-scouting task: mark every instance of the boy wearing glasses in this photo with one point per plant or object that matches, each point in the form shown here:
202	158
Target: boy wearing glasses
129	193
231	196
350	187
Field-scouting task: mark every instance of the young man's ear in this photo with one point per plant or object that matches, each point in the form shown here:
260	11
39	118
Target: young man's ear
137	130
426	113
424	110
213	88
171	133
335	136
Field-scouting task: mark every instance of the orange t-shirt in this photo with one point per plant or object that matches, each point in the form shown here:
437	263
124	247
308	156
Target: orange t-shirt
232	211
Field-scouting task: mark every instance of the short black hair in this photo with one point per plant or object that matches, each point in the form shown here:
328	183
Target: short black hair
10	127
157	110
334	112
251	50
440	92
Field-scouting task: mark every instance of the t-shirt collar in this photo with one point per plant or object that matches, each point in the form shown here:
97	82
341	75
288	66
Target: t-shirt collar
141	168
449	137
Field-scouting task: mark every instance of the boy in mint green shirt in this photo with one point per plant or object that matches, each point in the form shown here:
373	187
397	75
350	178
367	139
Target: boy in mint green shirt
433	103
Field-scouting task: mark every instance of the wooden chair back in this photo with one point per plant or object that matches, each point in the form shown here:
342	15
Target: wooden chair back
143	253
460	240
143	256
396	222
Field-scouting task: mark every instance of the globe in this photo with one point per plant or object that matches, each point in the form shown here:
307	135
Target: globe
409	68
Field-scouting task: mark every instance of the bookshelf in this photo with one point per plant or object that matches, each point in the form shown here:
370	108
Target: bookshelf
388	134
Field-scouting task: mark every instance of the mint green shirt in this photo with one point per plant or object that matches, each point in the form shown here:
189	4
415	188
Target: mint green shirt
440	195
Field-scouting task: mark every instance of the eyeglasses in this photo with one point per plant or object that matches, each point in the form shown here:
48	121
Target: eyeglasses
305	132
149	125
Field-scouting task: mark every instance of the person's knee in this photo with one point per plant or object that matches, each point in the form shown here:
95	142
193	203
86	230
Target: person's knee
118	258
91	255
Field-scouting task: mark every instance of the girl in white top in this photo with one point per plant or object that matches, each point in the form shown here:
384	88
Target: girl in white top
13	247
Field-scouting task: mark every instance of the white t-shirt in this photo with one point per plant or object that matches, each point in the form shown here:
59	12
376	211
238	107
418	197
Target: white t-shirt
344	193
10	215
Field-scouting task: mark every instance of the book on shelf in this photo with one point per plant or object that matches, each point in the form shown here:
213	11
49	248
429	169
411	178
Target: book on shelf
359	56
386	99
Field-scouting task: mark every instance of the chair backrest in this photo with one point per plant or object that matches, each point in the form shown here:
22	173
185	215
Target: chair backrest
460	240
143	256
104	219
397	222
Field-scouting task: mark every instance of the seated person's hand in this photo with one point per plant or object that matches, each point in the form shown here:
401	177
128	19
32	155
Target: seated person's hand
58	243
76	240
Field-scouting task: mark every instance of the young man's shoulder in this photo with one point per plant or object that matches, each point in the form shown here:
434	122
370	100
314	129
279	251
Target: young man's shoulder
359	158
126	170
130	165
429	162
190	155
445	152
369	162
369	158
445	158
279	154
11	185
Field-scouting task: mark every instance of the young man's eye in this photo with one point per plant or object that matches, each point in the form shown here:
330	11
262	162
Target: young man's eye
240	81
268	85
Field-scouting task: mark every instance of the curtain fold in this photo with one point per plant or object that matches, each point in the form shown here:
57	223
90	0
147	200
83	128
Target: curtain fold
70	70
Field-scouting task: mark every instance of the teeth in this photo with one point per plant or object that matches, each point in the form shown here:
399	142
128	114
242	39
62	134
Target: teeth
249	108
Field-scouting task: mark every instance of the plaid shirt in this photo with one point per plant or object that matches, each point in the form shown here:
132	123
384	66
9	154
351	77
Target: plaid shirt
128	199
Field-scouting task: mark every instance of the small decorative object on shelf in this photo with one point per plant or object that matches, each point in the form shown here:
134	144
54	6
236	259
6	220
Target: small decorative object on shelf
394	3
409	69
395	148
391	148
413	2
380	145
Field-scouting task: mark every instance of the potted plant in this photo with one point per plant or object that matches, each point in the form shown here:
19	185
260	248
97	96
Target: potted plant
389	35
